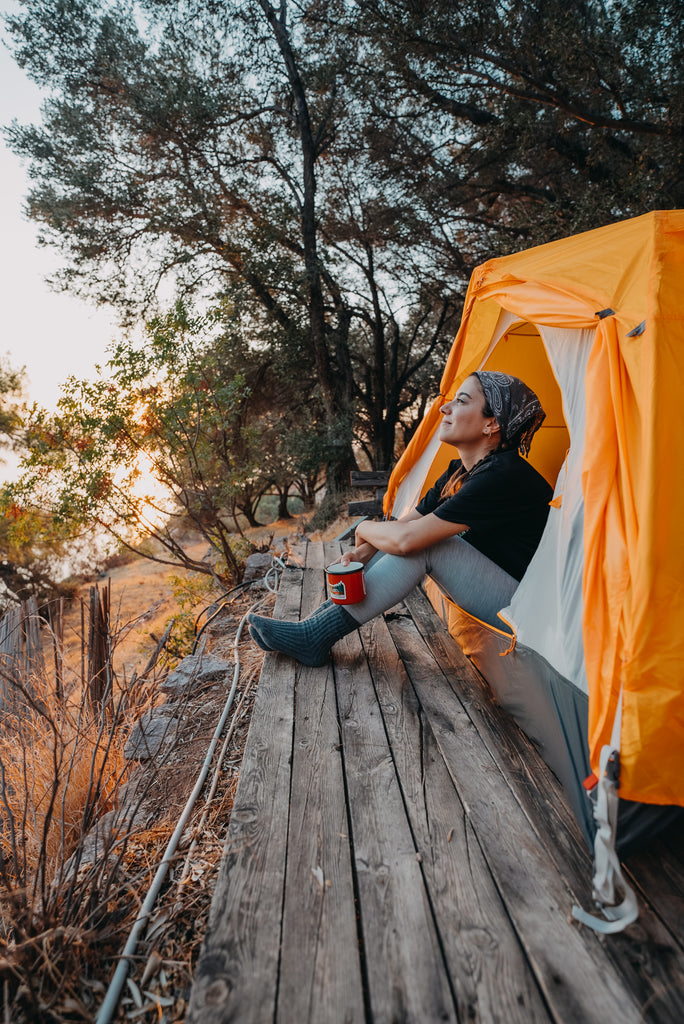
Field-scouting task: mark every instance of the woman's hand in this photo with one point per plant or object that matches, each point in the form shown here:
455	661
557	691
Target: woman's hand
363	553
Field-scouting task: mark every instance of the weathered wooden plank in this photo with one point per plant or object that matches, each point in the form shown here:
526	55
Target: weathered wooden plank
413	937
406	975
491	978
237	974
320	970
648	956
537	788
578	981
369	478
407	980
369	507
658	874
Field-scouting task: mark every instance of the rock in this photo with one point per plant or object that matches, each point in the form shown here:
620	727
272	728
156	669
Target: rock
219	619
192	672
155	730
104	842
223	625
256	566
101	843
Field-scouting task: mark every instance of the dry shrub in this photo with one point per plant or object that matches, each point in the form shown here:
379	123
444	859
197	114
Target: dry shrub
61	766
69	892
65	896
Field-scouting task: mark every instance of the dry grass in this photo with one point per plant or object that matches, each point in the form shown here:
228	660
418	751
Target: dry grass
70	892
62	900
59	762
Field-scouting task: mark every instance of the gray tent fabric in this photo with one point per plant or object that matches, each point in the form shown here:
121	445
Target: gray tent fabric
553	712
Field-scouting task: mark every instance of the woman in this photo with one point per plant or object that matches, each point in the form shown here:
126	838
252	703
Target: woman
474	532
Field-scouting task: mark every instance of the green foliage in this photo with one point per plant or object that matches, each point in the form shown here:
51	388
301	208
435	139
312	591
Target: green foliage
535	118
228	143
12	384
332	506
189	592
269	507
155	440
336	170
189	428
32	554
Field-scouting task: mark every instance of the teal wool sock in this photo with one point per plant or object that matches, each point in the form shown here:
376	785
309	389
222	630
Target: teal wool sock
308	641
261	641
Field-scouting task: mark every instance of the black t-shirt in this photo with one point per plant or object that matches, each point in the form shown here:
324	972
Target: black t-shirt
505	504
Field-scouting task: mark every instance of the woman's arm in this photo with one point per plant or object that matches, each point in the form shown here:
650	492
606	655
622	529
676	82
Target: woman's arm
413	532
364	550
363	553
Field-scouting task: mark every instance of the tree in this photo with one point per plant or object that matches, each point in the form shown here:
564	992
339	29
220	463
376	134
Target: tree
30	554
148	445
227	143
284	433
36	556
12	384
342	166
538	119
173	433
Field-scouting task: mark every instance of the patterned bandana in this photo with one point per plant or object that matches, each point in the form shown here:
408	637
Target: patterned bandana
516	408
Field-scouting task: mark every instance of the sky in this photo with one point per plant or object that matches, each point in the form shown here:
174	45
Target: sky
53	334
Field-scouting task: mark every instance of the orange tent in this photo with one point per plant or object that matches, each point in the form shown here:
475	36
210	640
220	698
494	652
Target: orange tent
624	283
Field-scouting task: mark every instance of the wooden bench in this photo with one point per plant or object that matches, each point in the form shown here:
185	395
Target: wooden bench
373	479
398	852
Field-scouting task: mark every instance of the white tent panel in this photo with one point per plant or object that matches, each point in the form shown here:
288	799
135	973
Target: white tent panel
411	487
546	610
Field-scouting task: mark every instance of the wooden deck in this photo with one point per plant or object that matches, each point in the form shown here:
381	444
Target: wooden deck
397	852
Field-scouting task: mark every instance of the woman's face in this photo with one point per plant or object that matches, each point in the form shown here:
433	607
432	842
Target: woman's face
463	421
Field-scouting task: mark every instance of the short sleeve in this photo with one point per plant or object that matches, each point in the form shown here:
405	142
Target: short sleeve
432	498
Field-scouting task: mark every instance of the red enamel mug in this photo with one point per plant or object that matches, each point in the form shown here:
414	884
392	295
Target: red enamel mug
345	582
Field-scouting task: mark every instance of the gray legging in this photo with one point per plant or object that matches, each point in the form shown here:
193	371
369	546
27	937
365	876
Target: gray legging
468	577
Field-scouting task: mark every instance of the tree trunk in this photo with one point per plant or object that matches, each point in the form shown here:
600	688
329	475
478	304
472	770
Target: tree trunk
336	400
249	514
283	495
